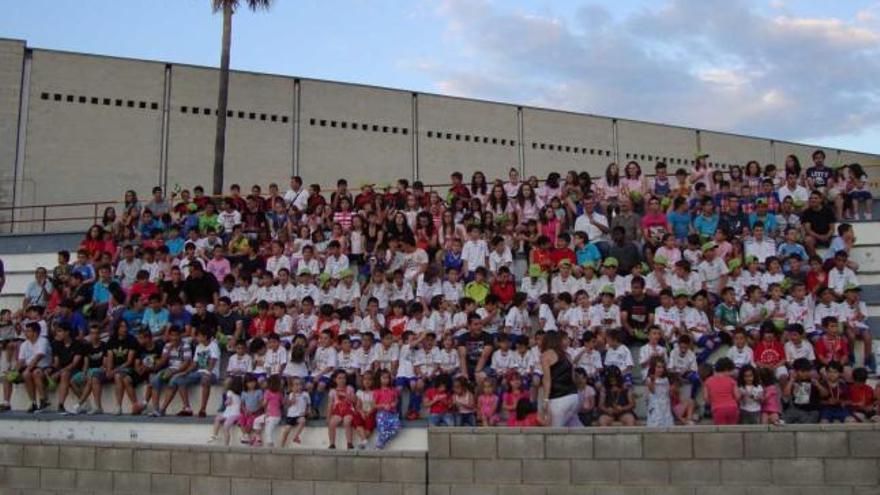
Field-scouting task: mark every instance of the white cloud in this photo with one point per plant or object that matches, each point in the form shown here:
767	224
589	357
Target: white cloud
721	65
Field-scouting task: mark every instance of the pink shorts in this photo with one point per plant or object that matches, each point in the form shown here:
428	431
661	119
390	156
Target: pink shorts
246	420
725	415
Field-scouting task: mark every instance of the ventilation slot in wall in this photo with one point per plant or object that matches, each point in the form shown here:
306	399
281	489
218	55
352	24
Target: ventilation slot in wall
356	126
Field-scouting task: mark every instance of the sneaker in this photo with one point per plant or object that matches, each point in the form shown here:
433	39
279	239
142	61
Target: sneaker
361	446
350	446
33	408
44	404
61	410
212	439
412	415
185	413
137	409
5	407
96	411
332	446
82	409
117	411
202	414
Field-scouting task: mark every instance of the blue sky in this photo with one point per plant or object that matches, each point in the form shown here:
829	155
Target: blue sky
804	70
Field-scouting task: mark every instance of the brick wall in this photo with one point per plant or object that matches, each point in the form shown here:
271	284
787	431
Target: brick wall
696	460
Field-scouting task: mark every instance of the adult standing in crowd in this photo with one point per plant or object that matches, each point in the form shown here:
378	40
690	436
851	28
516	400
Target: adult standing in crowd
560	393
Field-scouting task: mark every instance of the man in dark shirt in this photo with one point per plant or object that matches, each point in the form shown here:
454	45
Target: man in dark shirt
475	349
732	220
637	310
818	174
230	322
173	288
818	221
66	360
201	286
626	252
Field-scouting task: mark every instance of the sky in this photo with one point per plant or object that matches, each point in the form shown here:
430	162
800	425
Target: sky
801	70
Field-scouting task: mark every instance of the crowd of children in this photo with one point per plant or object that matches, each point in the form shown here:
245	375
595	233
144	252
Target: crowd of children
401	302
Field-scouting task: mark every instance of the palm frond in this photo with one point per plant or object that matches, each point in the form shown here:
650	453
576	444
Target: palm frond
219	5
259	4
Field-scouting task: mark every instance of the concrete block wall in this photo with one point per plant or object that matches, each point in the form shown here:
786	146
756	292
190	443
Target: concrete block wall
683	460
543	461
62	467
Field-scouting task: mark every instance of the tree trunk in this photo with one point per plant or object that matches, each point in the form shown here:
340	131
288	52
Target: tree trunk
222	102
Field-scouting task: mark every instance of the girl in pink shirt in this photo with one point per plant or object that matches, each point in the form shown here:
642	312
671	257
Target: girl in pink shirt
722	393
385	400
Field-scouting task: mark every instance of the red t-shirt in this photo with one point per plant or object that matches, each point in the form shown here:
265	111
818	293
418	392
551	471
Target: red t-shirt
504	292
442	405
832	349
769	353
720	391
862	396
261	326
558	255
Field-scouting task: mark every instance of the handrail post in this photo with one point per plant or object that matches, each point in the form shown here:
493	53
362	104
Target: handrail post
95	214
44	217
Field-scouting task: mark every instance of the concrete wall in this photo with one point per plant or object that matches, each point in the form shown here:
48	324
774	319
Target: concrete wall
99	125
125	468
734	460
11	65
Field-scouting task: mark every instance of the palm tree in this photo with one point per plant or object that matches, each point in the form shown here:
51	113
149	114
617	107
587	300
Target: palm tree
228	7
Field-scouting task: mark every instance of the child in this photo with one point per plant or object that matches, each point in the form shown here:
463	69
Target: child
439	402
586	396
769	352
231	410
512	395
619	356
803	395
682	409
722	394
831	347
464	403
324	362
342	409
797	346
588	359
652	350
862	397
771	404
751	396
616	402
526	415
835	396
365	417
297	408
34	360
740	353
488	404
659	407
264	424
387	420
252	406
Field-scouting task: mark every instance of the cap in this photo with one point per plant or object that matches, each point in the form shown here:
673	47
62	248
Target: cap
348	272
305	271
700	154
734	264
535	271
608	289
323	278
681	293
589	264
564	262
751	259
644	266
610	261
761	201
709	246
661	260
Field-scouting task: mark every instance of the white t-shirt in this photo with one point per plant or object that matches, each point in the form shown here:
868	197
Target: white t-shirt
620	357
299	404
203	355
28	350
741	357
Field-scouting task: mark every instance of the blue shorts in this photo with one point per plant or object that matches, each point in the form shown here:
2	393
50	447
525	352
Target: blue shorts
405	382
834	414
